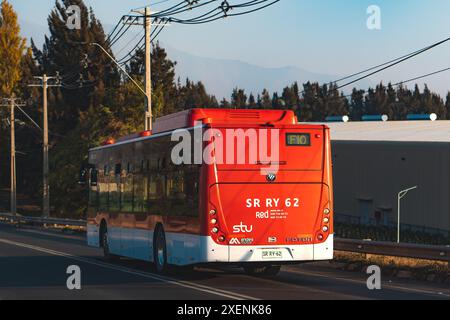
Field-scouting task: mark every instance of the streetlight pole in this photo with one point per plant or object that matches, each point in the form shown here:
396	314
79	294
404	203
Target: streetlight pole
400	196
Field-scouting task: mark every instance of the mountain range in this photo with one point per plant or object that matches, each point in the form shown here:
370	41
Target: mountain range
220	76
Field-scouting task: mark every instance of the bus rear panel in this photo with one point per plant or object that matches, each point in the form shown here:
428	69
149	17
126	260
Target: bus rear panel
261	214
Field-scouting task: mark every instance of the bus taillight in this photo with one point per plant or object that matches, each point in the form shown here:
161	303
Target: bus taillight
145	134
109	142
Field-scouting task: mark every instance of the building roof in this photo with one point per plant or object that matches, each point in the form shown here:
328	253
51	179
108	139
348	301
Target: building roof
395	131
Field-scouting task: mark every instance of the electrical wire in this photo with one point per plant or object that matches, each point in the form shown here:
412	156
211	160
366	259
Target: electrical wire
398	84
112	43
118	52
394	64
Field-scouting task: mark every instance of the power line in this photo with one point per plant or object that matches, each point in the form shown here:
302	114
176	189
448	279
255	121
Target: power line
398	84
384	66
140	46
219	12
421	77
118	52
395	63
119	36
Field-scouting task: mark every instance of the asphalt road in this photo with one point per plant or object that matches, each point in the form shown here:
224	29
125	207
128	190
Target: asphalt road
33	265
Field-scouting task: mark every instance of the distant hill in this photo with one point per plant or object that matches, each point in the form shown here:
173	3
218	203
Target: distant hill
220	76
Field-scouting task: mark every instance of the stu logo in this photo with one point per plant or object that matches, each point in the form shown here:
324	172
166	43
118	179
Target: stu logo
242	228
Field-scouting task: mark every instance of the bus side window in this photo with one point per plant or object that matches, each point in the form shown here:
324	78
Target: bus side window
127	189
103	187
94	188
114	189
93	177
182	191
191	180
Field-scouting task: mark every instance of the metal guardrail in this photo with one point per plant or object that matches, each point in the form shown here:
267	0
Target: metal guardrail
42	221
414	251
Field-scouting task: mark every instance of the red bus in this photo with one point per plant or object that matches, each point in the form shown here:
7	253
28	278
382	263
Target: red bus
220	199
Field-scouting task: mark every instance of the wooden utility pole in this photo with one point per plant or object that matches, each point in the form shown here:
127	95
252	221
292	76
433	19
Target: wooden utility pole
46	168
13	160
148	70
12	103
146	14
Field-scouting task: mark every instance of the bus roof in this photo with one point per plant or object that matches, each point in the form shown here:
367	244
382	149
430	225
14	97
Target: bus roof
189	118
194	117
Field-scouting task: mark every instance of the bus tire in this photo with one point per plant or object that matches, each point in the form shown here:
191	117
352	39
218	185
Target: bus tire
262	271
105	245
160	250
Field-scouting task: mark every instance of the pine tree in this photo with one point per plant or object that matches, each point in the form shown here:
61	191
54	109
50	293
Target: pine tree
86	71
357	106
403	105
265	101
337	104
239	99
224	104
252	104
416	100
447	106
309	102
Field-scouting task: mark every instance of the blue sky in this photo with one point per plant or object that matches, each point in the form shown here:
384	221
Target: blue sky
324	36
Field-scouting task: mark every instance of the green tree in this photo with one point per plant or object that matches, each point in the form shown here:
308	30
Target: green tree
357	105
164	89
86	71
447	105
252	104
239	99
12	47
403	105
224	104
309	102
265	102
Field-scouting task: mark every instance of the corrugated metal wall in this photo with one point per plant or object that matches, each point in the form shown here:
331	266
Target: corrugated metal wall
372	174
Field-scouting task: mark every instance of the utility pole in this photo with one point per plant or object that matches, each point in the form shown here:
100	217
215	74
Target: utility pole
11	103
13	160
146	14
148	70
45	182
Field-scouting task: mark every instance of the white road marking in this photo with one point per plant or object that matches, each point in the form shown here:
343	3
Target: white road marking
185	284
384	286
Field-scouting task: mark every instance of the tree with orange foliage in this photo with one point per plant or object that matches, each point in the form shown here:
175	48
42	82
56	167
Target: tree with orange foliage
12	47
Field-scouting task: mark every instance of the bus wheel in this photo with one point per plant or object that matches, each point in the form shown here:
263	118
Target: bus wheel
106	250
160	251
267	271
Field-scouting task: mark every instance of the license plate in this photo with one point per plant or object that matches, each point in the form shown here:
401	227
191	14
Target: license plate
272	254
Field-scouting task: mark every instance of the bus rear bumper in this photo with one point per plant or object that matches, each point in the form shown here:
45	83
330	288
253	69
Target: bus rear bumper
267	254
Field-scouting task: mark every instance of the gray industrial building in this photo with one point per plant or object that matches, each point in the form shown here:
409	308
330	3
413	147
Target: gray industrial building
374	161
